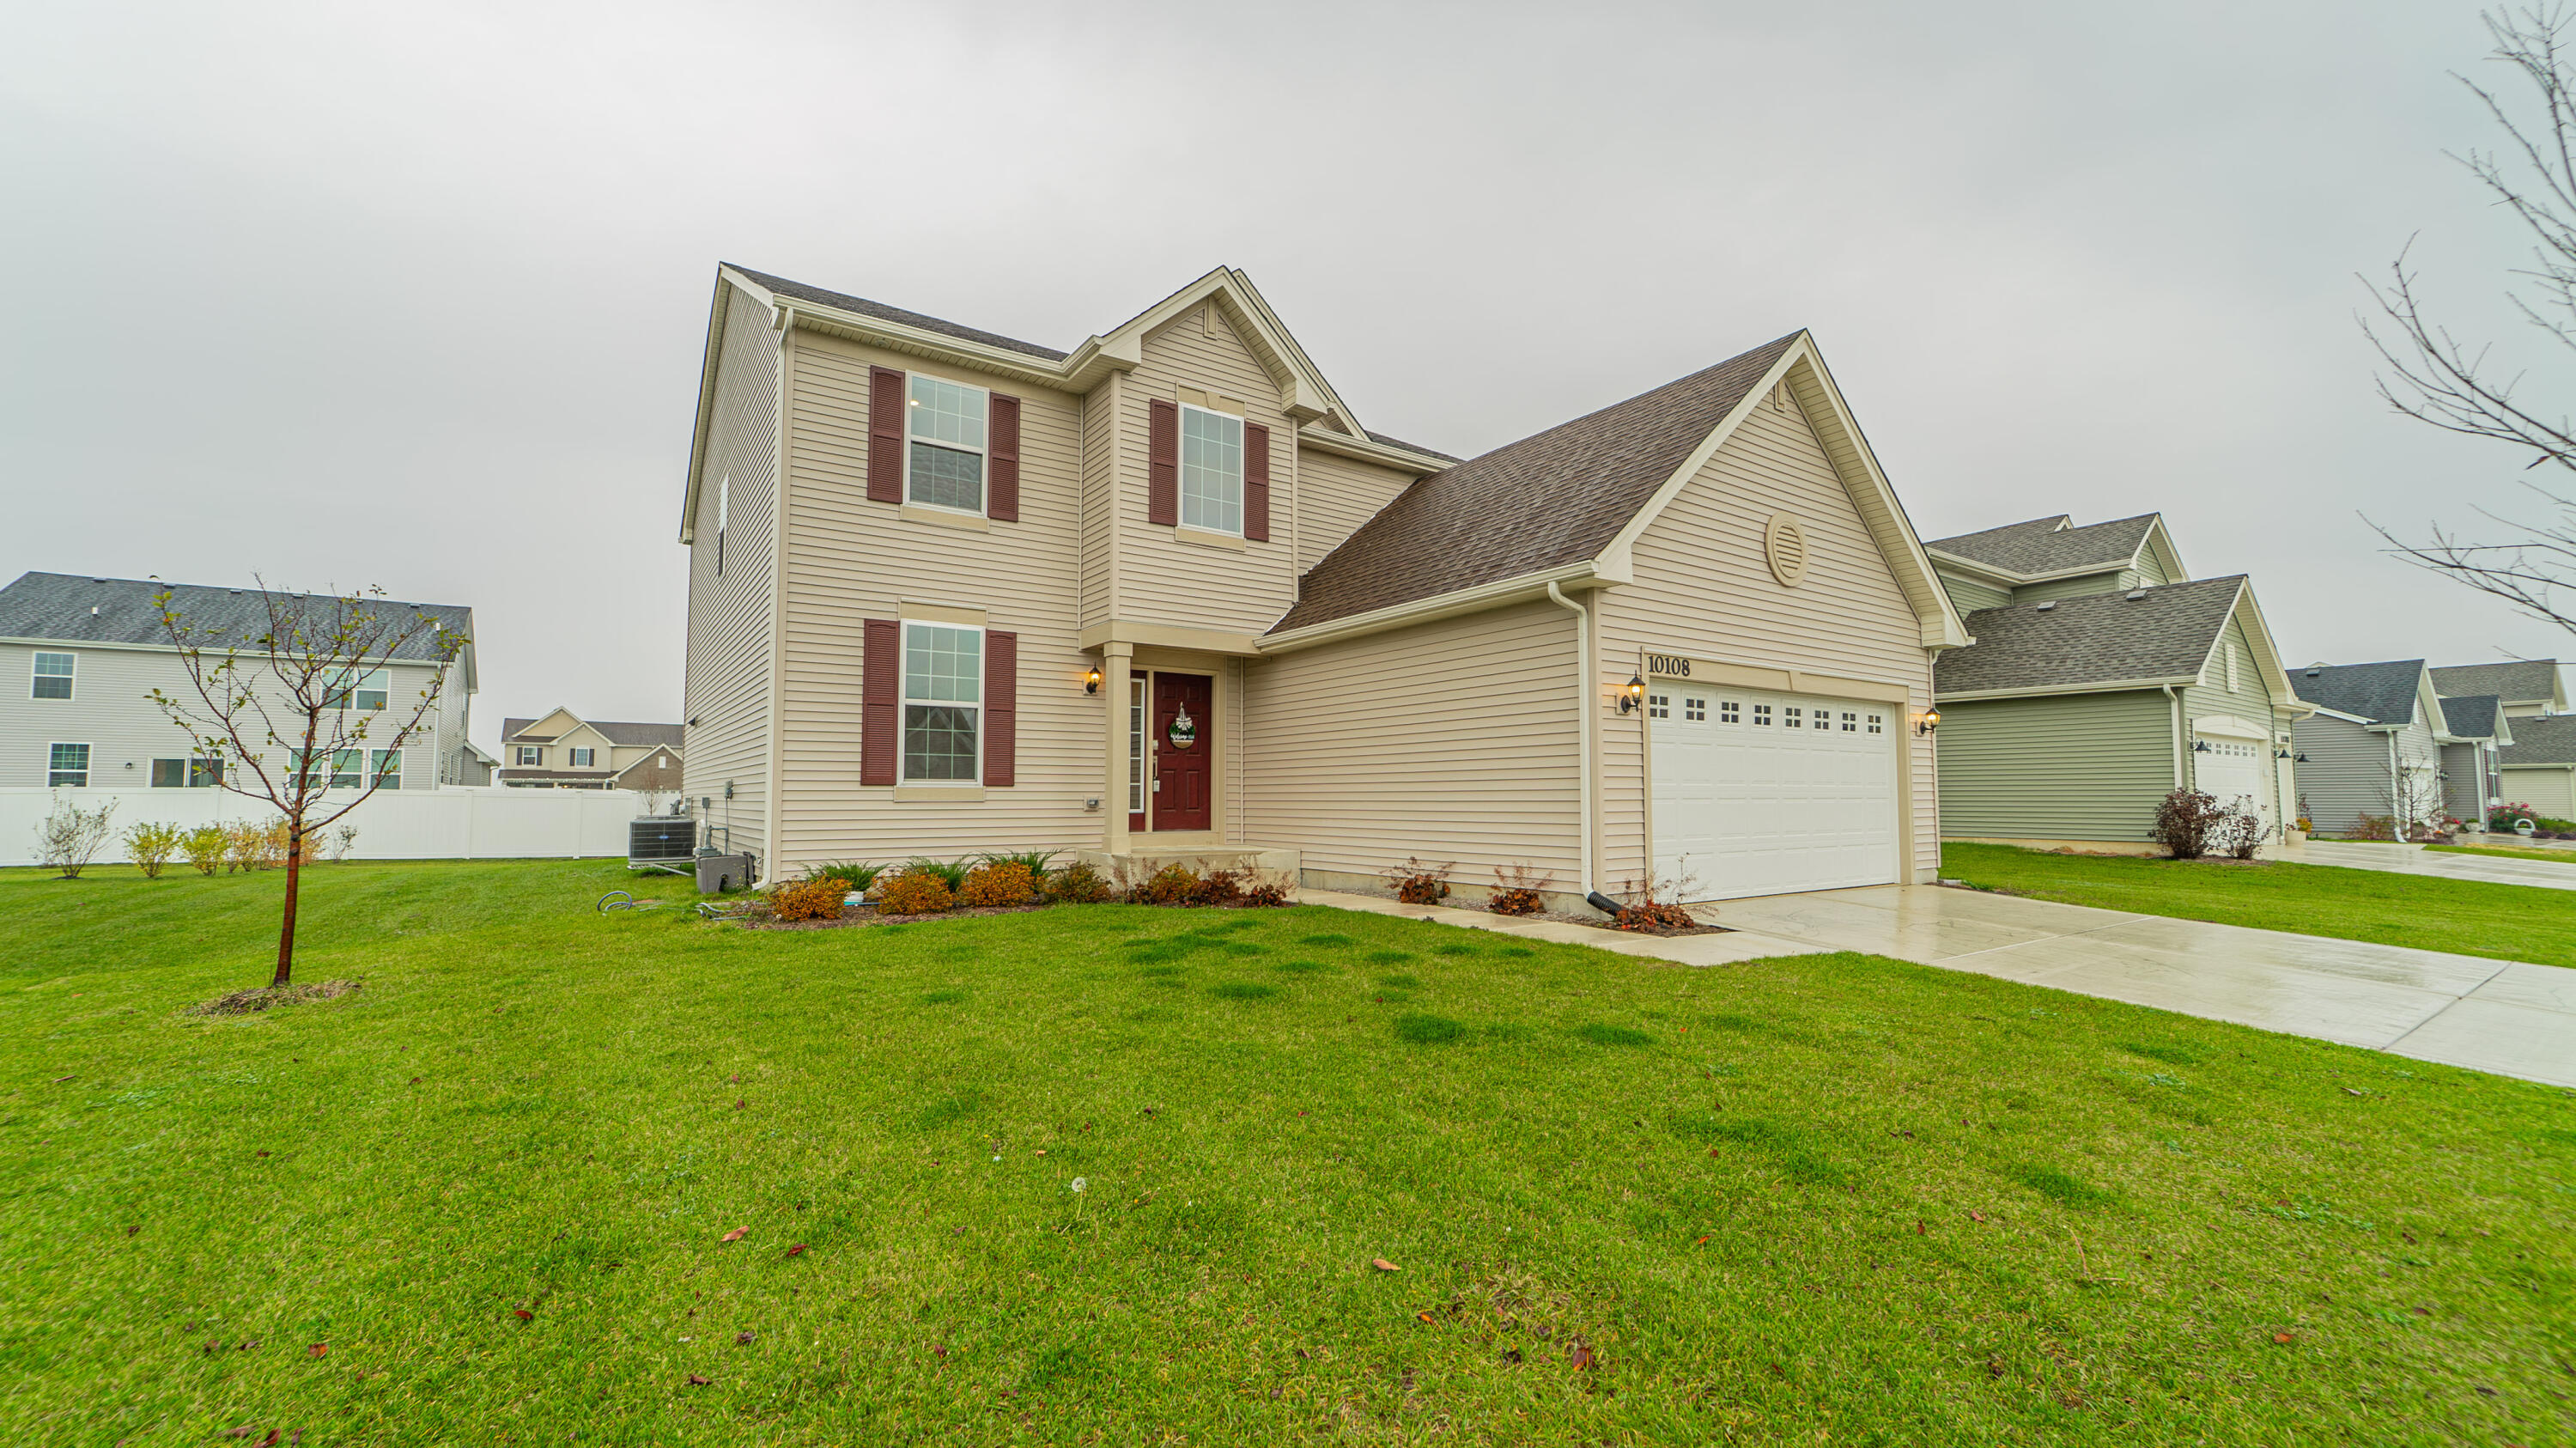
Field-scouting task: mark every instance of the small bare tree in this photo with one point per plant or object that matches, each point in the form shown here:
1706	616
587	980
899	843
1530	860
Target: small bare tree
2431	377
309	679
71	837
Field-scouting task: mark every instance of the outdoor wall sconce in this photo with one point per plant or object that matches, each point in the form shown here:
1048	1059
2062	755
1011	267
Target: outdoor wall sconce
1633	695
2280	754
2302	759
2200	746
1926	722
1091	681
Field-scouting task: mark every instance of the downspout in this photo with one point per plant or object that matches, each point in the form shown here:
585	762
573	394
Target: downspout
1584	712
2396	791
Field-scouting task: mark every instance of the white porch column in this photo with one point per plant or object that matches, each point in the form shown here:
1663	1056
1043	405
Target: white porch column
1114	671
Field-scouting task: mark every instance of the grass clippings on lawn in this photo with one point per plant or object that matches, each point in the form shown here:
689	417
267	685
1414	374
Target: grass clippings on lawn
2426	912
1059	1177
244	1002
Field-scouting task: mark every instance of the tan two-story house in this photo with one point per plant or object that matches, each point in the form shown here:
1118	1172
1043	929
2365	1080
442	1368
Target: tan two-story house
562	750
1164	596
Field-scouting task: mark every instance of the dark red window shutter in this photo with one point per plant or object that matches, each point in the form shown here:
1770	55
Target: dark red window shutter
880	700
1001	707
1163	462
1256	482
885	437
1002	463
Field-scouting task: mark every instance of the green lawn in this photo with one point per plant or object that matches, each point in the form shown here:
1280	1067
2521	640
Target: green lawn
2428	912
2509	852
1823	1198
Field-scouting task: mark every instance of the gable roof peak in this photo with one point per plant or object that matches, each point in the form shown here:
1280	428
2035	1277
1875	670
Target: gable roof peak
2045	547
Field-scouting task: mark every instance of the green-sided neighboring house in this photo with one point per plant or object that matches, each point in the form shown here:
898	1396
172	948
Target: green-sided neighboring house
2540	765
2103	677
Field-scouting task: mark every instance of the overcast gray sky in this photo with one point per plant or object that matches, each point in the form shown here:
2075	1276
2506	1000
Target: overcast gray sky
414	296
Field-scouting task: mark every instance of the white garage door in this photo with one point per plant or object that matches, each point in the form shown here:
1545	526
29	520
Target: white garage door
2230	771
1757	793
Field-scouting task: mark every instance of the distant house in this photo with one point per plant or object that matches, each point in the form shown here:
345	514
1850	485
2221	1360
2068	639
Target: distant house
478	766
2374	746
561	750
2102	678
2527	688
2472	765
80	657
2539	766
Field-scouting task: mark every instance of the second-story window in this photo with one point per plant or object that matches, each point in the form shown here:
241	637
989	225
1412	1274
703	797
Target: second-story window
581	758
1211	470
945	468
531	756
54	675
367	690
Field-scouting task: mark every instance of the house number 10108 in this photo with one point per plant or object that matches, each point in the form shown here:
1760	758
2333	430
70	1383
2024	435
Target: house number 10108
1667	665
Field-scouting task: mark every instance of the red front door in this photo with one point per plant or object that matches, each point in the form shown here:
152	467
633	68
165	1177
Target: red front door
1184	742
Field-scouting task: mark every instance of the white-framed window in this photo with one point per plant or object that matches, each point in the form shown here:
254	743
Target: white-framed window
581	758
529	756
1211	470
199	773
368	690
944	455
1877	725
1694	710
1135	746
943	698
1762	714
67	765
1659	706
1728	712
53	679
386	766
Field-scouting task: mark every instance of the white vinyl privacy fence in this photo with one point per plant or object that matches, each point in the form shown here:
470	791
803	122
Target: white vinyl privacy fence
395	824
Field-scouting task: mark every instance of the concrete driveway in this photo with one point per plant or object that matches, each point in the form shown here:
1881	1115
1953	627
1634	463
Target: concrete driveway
2489	1015
2416	860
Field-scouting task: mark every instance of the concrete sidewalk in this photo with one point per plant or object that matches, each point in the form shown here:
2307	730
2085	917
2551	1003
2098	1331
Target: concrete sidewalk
2489	1015
2416	860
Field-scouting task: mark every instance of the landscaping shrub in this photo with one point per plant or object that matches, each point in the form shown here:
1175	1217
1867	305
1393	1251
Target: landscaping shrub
1036	862
71	837
149	844
853	875
1516	890
2236	833
999	882
2368	827
1171	885
2184	822
915	892
343	840
1077	884
816	897
1419	882
951	873
1268	895
204	847
249	847
1219	888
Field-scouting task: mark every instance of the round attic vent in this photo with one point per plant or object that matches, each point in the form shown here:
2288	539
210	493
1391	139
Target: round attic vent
1784	546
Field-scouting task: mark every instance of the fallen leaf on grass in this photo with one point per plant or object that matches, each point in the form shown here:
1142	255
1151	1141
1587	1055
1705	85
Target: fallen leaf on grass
244	1431
742	1337
319	1349
60	1080
737	1105
1511	1354
523	1314
2281	1337
415	1080
1919	1228
1702	1242
1581	1357
737	1234
1976	1216
1383	1265
1426	1317
698	1382
796	1250
130	1231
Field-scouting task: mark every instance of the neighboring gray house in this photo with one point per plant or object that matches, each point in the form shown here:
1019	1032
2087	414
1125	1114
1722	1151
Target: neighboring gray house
2527	688
2539	766
2472	774
2374	745
79	658
2102	678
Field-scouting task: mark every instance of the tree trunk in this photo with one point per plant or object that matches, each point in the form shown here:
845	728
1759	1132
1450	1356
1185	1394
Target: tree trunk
286	931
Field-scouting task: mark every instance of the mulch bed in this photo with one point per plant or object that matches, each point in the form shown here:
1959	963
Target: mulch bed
1595	922
869	916
248	1002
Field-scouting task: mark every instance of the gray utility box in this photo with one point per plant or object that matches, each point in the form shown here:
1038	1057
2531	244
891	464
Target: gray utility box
719	873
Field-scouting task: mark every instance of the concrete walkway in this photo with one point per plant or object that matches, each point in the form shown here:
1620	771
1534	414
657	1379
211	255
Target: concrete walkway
2489	1015
2416	860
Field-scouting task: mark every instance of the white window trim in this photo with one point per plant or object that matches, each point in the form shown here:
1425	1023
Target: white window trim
89	762
985	491
374	763
33	676
1243	455
573	757
516	750
1137	702
346	695
904	702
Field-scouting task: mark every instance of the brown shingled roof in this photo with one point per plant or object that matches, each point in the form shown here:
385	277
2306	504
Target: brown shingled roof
1555	498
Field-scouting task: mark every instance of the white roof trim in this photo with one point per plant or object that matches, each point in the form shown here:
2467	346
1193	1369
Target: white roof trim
2228	726
1439	606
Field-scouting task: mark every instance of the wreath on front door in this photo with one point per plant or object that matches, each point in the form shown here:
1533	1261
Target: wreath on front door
1185	730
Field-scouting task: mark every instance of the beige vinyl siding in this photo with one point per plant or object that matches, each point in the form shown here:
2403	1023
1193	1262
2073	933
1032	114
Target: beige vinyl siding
848	560
1100	487
1453	740
1160	578
2058	767
728	681
2249	701
1335	495
1967	595
1703	590
2549	789
2084	585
